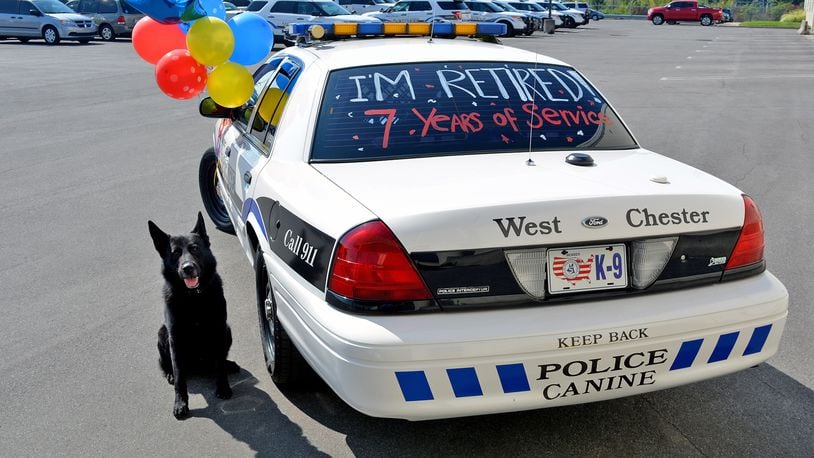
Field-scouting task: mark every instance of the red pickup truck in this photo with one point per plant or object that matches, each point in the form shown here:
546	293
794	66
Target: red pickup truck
684	11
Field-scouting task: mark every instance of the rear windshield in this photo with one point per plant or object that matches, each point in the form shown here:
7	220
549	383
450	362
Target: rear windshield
433	109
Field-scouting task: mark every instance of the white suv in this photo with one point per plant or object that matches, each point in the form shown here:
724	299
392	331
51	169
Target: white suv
486	11
571	18
365	6
281	13
424	11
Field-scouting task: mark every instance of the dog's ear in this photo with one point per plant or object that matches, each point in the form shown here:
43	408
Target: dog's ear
200	229
161	240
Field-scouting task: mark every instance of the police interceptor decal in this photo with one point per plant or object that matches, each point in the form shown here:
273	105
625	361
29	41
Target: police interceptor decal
584	377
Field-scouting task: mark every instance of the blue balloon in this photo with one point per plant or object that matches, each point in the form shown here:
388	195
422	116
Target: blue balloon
163	11
197	9
254	38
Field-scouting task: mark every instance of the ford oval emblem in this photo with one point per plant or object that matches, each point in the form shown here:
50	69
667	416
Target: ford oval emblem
595	222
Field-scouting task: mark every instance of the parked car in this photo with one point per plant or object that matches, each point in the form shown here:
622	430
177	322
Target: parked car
281	13
232	10
534	9
365	6
571	18
727	15
424	11
486	11
47	19
114	18
684	11
455	228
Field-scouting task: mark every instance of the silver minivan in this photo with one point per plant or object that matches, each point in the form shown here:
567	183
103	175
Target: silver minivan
114	18
47	19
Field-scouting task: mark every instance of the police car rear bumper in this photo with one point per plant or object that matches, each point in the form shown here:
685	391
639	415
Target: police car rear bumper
441	365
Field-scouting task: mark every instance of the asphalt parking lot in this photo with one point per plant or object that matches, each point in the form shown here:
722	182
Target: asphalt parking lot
92	150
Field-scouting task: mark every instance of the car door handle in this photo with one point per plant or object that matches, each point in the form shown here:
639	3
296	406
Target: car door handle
247	177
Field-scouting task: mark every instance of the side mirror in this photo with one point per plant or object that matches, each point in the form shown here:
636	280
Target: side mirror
209	109
35	13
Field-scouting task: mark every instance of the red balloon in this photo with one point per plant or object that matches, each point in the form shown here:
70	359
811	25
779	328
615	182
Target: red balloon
179	75
152	39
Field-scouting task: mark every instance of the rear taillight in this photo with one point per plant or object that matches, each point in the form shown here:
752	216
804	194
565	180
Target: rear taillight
371	265
749	248
120	20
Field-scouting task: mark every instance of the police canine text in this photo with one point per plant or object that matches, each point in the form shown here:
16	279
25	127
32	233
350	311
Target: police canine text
195	336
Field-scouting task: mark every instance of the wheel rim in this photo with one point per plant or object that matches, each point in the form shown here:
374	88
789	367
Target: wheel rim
50	35
107	33
268	325
705	20
213	193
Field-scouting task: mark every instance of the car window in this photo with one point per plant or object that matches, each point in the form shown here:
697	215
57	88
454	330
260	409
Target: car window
87	6
273	102
452	6
328	9
420	6
284	7
400	6
8	6
438	108
128	9
345	2
256	6
25	8
51	6
261	78
108	6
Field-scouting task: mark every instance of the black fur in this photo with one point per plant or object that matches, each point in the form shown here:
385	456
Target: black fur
195	337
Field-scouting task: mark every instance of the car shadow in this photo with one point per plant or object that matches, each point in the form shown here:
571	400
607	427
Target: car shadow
251	417
757	412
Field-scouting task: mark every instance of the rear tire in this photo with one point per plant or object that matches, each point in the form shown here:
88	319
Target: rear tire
284	362
50	35
510	32
208	184
107	33
569	22
658	19
706	20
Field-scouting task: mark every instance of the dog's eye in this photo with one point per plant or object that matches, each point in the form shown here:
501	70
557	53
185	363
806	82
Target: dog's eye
176	252
193	248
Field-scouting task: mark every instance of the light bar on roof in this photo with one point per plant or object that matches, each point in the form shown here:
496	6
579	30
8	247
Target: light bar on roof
348	29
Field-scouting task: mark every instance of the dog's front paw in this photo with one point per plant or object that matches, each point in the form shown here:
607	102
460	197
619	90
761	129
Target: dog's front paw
180	410
223	392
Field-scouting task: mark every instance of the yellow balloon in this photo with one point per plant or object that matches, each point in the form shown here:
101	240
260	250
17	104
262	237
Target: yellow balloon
210	41
274	99
230	85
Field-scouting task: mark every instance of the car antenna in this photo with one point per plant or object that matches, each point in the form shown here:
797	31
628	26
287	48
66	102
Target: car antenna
530	162
432	27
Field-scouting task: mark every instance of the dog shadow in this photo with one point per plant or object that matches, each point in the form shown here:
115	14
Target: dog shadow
251	417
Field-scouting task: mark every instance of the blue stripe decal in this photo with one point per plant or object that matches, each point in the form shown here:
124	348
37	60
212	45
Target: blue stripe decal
464	382
414	386
687	354
250	206
758	339
513	378
724	347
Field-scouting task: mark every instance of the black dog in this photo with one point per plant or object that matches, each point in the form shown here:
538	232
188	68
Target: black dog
195	336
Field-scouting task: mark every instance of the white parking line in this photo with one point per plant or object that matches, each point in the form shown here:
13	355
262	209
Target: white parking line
726	77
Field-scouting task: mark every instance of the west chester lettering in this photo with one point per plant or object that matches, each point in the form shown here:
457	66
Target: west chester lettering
496	83
603	373
302	249
518	226
638	217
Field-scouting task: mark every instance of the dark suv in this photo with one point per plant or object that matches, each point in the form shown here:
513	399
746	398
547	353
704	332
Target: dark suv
114	17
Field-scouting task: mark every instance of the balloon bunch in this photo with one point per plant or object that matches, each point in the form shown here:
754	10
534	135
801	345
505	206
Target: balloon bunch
193	47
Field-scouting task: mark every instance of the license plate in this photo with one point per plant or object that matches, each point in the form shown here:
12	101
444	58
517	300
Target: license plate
586	268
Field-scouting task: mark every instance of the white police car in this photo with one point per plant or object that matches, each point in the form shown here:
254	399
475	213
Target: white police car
454	228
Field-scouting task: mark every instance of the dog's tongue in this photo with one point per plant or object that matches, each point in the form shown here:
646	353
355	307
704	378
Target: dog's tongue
191	282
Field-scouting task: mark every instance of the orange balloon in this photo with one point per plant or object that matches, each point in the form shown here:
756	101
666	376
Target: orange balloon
152	39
